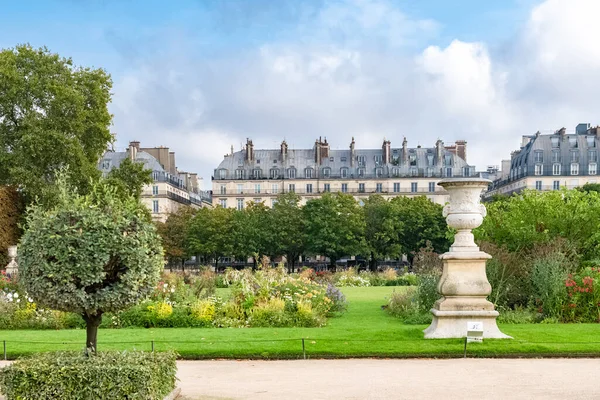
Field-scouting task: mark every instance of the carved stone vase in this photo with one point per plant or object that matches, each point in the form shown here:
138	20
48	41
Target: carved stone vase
12	267
464	286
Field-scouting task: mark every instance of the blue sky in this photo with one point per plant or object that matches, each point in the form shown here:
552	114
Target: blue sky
200	76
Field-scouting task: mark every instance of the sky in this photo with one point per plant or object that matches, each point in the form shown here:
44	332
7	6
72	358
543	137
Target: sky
200	76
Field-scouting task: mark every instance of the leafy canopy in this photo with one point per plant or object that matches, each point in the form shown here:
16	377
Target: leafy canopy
52	115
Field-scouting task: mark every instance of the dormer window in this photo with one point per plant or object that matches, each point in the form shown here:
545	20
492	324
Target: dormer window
448	159
539	156
378	172
378	159
222	173
361	160
591	141
344	172
308	173
361	172
274	173
256	173
572	141
326	172
291	173
240	174
396	171
343	159
412	159
555	142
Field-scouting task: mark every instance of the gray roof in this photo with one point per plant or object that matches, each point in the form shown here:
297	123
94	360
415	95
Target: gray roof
112	159
371	159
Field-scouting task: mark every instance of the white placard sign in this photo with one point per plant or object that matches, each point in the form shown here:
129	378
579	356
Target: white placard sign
474	331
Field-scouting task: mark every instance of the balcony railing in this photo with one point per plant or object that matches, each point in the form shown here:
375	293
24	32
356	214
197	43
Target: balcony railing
404	191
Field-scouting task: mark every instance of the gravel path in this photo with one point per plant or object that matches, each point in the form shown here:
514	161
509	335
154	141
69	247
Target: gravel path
390	379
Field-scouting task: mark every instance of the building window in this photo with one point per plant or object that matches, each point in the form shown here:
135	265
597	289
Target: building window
575	156
592	168
292	173
361	160
361	172
554	141
555	156
556	169
412	159
344	188
274	173
467	171
240	174
240	188
326	172
223	203
309	188
331	159
273	202
414	186
591	141
274	188
379	187
256	173
430	160
592	157
223	189
556	185
396	187
291	188
257	201
155	190
344	172
538	157
538	185
395	171
155	206
257	188
432	187
414	171
447	159
429	172
361	187
539	169
572	141
343	159
378	172
308	173
378	159
326	187
240	204
574	169
448	172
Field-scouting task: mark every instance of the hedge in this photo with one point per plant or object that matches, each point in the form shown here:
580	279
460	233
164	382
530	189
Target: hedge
76	376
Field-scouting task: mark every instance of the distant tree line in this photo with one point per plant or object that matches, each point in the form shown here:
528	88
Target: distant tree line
334	225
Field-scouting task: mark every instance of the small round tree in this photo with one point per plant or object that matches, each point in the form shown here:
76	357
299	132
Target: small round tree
90	254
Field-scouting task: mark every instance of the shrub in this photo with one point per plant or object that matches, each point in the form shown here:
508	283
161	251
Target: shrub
351	279
404	305
583	290
519	315
427	292
106	375
548	279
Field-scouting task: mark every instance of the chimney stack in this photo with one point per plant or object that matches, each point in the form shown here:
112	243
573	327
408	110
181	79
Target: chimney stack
405	151
387	154
461	149
439	152
352	152
249	150
134	147
284	150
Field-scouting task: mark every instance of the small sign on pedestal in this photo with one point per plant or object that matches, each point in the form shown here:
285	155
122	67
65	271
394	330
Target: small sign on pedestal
474	331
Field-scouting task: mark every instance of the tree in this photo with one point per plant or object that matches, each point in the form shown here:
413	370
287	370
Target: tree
52	115
211	233
335	226
90	254
11	209
253	232
130	178
288	226
382	229
590	187
422	222
174	234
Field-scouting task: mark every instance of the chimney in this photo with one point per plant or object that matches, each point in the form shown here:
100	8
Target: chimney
461	149
321	150
318	151
324	150
232	150
284	150
352	152
439	152
563	133
387	156
249	150
134	147
405	151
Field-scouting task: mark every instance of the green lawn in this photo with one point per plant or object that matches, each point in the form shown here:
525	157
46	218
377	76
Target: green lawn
364	331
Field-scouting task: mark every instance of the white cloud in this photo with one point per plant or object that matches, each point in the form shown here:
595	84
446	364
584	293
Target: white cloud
354	71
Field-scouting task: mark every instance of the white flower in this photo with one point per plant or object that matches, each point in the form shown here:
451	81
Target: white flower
166	285
29	299
18	300
16	295
172	290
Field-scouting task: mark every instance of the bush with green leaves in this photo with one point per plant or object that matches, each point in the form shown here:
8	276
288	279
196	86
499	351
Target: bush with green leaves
90	254
79	376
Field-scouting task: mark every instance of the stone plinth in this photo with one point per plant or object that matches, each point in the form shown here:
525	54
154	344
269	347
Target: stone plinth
12	267
463	285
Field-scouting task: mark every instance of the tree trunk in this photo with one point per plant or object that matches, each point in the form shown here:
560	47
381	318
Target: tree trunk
373	266
182	265
92	322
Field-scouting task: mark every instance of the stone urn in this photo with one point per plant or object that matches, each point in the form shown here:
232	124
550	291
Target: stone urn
464	286
12	267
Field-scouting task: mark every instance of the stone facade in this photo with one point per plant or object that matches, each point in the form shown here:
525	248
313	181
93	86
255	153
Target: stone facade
260	175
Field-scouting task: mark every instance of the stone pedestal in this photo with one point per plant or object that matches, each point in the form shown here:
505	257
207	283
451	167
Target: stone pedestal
463	285
12	267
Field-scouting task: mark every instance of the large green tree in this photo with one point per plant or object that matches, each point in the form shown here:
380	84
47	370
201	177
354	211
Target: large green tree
52	114
335	226
90	254
253	232
422	223
383	229
211	233
289	228
174	234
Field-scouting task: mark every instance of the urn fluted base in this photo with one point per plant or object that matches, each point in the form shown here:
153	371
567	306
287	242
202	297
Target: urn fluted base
464	288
